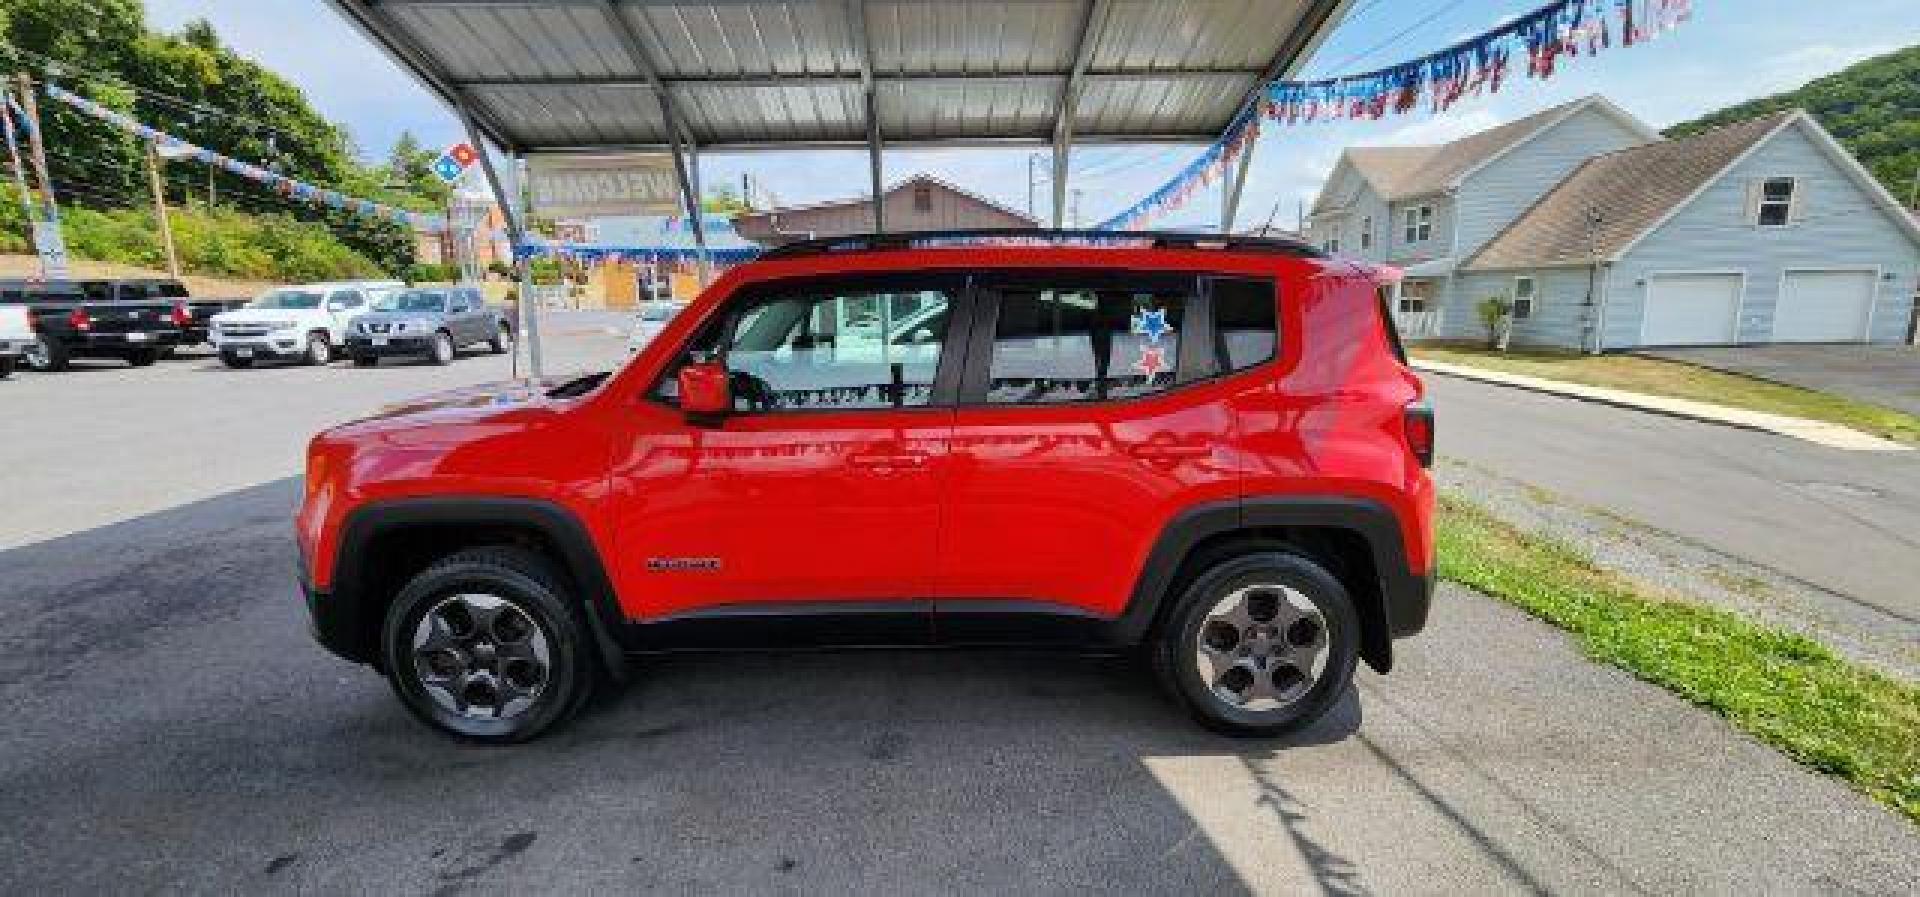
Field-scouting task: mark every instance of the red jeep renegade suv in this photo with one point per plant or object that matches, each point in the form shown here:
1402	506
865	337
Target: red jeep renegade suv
1209	448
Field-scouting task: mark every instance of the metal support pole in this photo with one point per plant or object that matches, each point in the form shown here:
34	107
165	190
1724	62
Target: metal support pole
1060	153
1235	184
510	209
873	166
699	213
689	200
160	209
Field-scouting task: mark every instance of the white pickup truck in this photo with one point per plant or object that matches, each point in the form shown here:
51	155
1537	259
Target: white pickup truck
16	334
306	322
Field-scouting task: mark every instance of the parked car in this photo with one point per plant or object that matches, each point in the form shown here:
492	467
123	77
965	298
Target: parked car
196	329
72	326
434	322
304	323
652	318
16	334
1212	448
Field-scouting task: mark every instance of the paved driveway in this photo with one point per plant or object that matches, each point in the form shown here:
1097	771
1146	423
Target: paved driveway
170	727
1881	375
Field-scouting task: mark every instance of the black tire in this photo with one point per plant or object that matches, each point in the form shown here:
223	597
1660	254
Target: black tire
363	360
319	350
234	361
47	356
531	586
1176	647
441	350
6	366
502	340
142	357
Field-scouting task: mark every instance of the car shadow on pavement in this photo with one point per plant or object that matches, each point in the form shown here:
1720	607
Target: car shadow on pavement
172	723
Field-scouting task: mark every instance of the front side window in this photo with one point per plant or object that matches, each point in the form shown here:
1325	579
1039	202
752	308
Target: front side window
301	299
346	299
1776	202
843	350
1524	293
1083	344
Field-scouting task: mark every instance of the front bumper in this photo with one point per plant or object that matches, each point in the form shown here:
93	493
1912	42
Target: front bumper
335	626
275	345
12	347
359	344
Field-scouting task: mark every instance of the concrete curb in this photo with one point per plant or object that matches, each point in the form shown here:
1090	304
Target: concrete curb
1817	432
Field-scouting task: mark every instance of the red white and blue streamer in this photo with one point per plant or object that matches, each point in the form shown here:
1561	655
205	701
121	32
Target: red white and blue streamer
1545	37
285	186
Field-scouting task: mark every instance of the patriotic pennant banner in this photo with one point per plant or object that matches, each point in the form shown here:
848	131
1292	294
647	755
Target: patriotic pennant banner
1547	36
285	186
592	253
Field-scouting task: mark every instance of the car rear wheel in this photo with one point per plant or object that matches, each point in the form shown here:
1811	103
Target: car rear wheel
142	357
46	356
1260	644
485	645
319	349
365	361
502	341
6	366
441	350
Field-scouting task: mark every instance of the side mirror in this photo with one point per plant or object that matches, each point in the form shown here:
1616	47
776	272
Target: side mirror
705	393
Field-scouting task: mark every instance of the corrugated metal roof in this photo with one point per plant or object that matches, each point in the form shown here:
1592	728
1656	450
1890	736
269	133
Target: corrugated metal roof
559	74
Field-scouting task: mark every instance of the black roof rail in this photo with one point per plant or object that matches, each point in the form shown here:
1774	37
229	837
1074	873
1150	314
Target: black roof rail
1017	236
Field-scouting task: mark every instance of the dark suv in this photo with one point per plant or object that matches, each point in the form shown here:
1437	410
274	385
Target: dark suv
1210	449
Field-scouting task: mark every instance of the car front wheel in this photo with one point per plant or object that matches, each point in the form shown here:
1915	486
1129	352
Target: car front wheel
441	350
319	349
1260	644
485	645
46	356
502	341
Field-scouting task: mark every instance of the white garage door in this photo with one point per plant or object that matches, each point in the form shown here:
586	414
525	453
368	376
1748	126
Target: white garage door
1691	309
1824	307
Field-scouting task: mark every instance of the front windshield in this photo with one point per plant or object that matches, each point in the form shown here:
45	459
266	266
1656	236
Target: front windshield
287	299
412	300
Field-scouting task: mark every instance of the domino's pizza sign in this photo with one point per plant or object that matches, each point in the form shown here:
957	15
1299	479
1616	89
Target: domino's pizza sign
455	161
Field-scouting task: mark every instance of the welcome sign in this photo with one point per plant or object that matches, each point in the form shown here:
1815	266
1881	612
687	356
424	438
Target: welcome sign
569	186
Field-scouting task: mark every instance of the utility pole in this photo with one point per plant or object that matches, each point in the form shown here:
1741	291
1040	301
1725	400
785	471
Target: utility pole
1073	211
47	240
160	208
1594	220
1032	159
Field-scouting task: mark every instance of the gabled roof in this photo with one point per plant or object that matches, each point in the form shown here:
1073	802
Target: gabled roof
917	179
1406	172
1638	189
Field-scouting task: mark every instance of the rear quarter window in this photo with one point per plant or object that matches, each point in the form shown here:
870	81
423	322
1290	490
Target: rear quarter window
1246	322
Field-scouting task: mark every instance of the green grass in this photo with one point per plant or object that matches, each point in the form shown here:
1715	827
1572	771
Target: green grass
1784	689
1685	381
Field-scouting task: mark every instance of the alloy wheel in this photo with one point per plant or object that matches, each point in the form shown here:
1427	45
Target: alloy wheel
481	656
1262	647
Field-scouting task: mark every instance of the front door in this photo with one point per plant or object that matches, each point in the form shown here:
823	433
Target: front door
820	488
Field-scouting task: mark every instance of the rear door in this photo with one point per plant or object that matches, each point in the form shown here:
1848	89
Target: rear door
1093	409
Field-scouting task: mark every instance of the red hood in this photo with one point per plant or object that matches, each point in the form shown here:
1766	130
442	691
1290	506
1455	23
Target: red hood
502	394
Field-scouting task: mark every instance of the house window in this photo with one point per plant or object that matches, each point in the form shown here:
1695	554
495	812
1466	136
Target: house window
1524	292
1414	295
1419	224
923	199
1333	242
1776	202
1366	233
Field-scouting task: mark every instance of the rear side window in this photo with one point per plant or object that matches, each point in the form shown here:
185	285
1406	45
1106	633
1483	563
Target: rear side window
1245	322
1073	345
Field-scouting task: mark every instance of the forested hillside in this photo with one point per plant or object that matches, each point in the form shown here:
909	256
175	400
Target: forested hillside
189	84
1873	107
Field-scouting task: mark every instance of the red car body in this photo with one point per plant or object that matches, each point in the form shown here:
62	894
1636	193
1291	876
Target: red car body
1072	511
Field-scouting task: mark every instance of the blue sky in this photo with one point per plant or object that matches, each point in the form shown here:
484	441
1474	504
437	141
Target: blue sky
1733	50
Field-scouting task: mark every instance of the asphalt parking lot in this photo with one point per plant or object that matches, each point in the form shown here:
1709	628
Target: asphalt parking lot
171	727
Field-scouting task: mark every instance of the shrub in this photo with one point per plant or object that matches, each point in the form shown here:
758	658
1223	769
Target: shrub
1496	314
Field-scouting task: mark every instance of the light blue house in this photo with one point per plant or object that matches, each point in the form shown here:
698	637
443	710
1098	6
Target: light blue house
1762	231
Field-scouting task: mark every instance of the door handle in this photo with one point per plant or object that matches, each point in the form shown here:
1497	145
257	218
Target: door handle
887	460
1169	451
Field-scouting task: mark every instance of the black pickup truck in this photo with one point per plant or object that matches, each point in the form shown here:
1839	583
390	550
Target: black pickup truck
143	289
70	325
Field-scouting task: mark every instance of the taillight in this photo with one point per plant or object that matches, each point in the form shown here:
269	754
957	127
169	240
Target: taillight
182	318
1419	429
80	320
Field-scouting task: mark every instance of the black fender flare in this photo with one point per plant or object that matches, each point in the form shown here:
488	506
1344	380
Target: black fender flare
1402	596
560	527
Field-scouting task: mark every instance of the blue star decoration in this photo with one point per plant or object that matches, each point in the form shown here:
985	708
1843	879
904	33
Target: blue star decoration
1152	323
447	168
